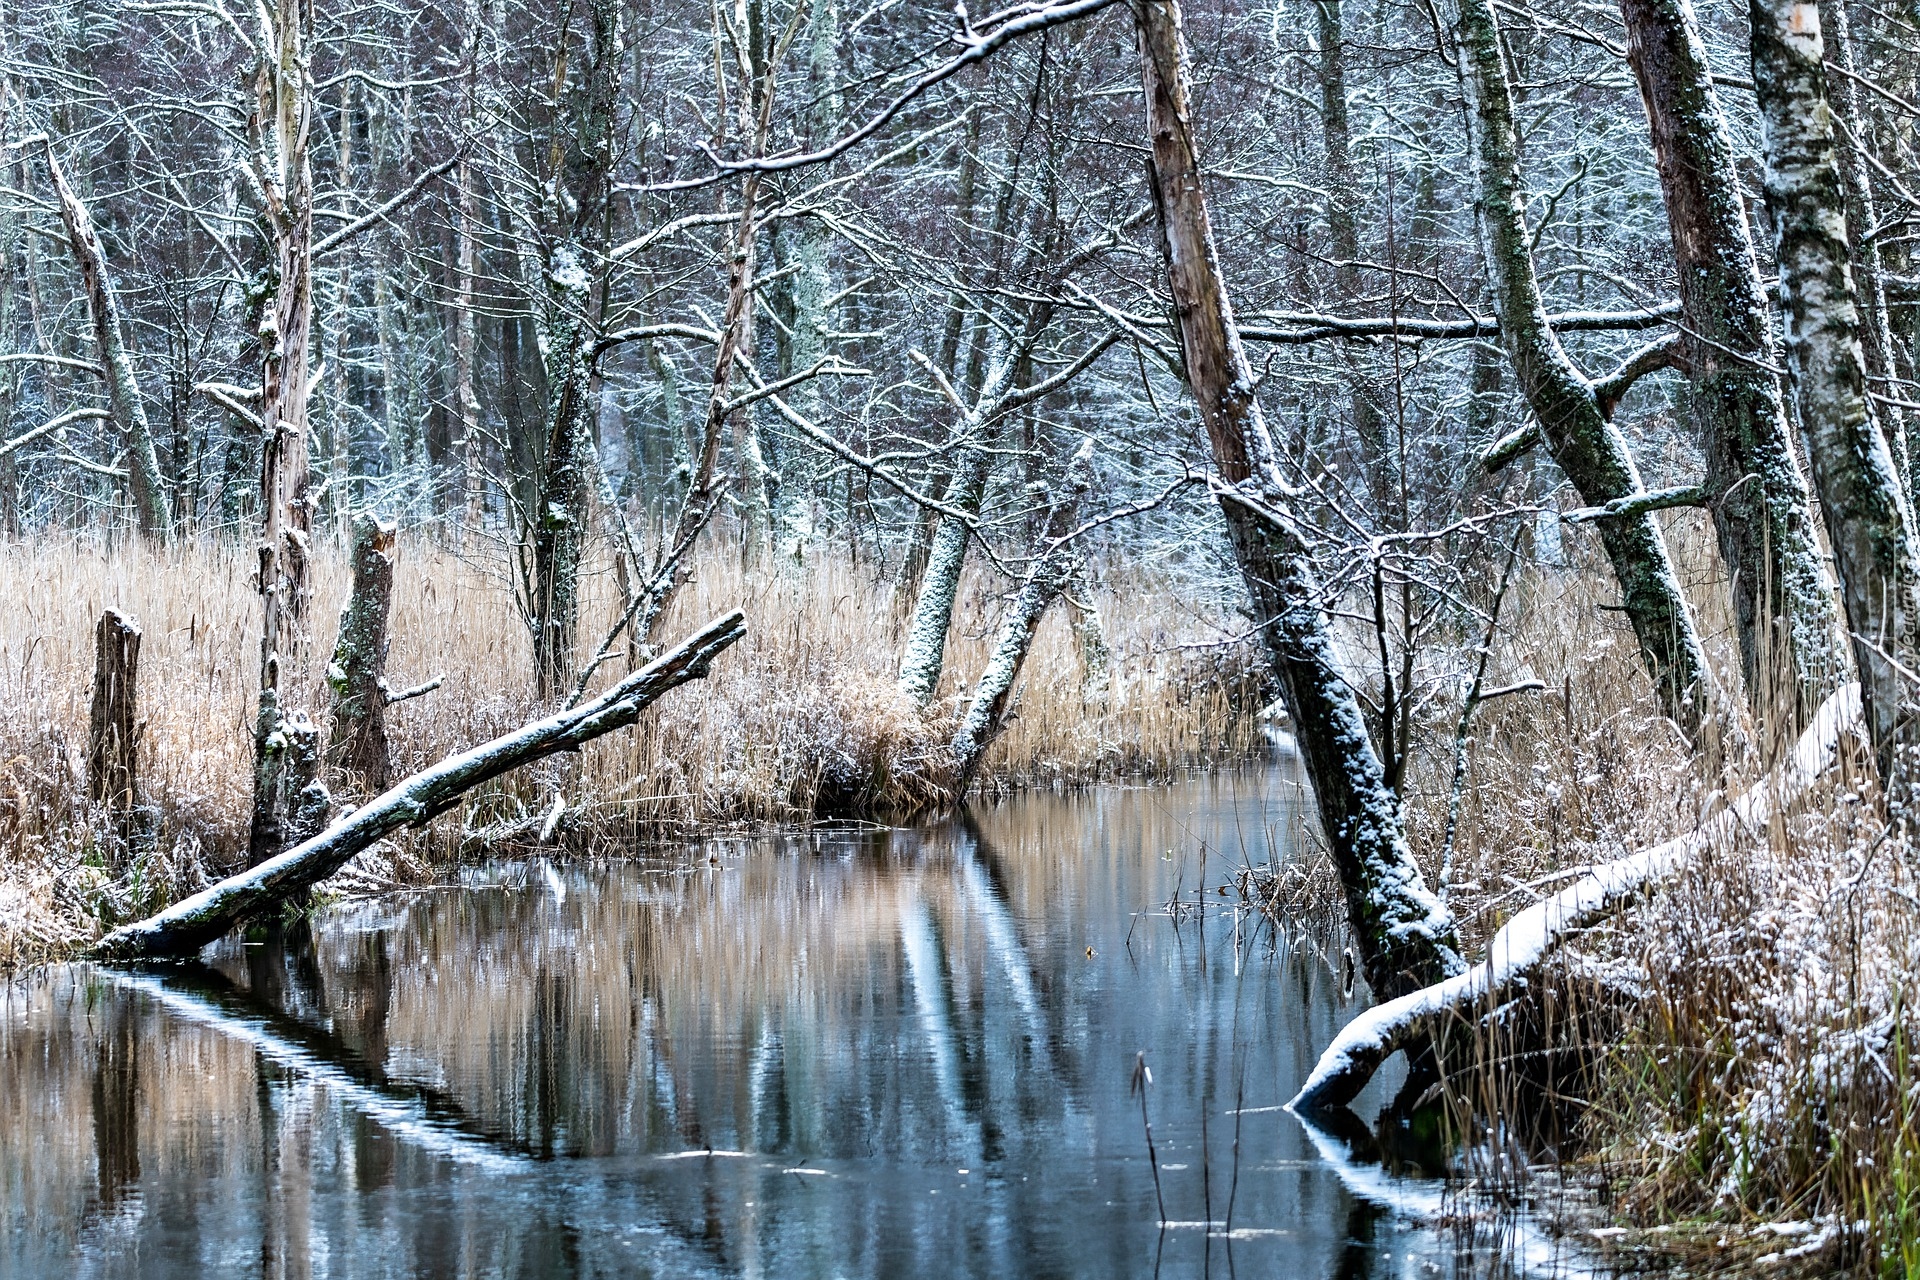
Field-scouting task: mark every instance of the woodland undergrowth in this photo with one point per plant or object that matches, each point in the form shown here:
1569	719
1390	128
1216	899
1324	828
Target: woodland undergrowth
802	720
1729	1060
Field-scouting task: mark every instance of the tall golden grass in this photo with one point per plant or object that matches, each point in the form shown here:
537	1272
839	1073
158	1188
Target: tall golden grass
801	718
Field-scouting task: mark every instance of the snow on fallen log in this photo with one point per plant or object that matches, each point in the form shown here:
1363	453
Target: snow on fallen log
1526	940
189	925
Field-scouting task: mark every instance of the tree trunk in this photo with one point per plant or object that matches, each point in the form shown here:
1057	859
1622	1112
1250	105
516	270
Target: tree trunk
1868	521
109	339
1862	219
285	109
1572	419
573	303
1405	934
185	927
925	655
1762	511
357	741
112	722
1343	226
1053	564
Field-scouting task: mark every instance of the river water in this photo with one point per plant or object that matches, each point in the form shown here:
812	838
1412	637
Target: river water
853	1052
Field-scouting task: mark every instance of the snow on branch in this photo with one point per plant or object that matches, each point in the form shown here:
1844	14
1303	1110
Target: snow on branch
980	45
1525	941
186	926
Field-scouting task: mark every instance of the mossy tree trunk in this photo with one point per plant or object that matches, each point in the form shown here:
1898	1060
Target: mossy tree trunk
1573	419
1762	510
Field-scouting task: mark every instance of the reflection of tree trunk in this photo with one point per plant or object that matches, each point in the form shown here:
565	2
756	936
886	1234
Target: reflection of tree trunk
1869	524
1405	934
116	1104
1783	599
1574	423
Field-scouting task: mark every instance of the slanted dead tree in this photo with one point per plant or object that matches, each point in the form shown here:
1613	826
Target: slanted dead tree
1053	565
1404	933
185	927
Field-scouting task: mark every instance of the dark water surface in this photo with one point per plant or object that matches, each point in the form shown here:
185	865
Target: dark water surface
851	1053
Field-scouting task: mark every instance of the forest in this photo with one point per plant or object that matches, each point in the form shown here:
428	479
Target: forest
611	580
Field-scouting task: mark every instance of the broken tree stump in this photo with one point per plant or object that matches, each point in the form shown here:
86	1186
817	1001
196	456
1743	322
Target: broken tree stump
357	741
186	926
112	732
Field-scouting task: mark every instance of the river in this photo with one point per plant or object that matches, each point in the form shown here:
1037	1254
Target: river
855	1051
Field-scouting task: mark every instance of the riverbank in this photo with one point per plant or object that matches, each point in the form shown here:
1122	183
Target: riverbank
802	719
1744	1094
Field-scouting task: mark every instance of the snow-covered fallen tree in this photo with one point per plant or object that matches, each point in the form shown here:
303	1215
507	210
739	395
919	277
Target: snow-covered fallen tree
189	925
1525	941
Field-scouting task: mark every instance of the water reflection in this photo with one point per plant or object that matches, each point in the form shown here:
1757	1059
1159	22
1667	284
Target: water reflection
854	1052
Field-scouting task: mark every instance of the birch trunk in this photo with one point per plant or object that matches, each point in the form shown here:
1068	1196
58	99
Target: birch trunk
1343	226
1572	419
1405	934
925	654
1869	524
1762	510
1863	219
1053	564
109	340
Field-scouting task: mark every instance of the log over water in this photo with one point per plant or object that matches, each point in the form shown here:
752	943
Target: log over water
185	927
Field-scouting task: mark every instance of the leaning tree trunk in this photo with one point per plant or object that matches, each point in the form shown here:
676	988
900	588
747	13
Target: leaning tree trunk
1762	512
1868	521
1053	565
109	339
1405	934
925	655
1573	421
286	98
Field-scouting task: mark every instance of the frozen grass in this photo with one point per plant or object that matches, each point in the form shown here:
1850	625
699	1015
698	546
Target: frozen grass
1731	1056
800	719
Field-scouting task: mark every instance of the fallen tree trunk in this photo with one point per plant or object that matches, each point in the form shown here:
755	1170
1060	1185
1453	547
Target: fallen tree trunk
1525	941
187	926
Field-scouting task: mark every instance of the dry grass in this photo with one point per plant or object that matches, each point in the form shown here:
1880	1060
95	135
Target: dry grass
1741	1038
799	719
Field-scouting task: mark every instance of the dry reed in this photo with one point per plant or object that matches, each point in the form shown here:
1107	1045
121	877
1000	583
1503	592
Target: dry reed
802	718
